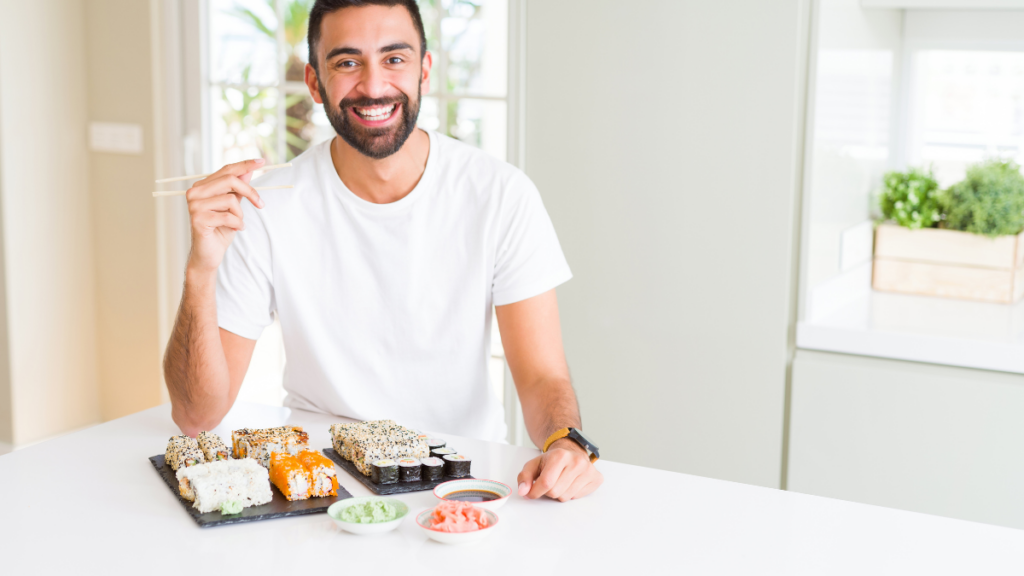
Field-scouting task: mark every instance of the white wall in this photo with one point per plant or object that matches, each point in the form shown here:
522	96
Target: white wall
665	137
120	86
47	234
80	314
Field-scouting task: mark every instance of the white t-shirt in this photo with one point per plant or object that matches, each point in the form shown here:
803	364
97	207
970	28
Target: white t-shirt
386	308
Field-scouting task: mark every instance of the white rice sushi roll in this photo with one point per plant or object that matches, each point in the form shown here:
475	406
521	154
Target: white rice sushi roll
212	484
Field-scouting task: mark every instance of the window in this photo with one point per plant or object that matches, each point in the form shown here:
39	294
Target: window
258	106
966	106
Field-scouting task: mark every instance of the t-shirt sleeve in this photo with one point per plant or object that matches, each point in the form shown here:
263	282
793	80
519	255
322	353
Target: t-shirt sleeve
529	260
245	291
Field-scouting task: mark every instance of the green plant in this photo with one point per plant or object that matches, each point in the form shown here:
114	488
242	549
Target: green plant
989	200
911	198
249	116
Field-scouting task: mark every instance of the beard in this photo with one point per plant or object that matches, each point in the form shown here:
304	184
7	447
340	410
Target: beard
376	143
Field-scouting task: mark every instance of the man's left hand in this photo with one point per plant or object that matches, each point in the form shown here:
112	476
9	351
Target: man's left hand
562	473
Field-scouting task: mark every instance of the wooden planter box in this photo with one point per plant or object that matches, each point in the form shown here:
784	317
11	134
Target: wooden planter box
948	263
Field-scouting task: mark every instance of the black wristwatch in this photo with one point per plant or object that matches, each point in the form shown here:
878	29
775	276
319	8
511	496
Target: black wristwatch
576	435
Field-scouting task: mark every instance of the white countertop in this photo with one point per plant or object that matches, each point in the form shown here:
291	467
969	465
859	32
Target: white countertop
91	502
847	316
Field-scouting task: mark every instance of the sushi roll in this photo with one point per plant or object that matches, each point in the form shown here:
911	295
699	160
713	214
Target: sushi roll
408	470
321	469
441	452
435	443
209	485
183	452
363	443
432	469
457	465
291	438
290	477
384	471
212	446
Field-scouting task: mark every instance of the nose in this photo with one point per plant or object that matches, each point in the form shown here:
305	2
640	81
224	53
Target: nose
374	83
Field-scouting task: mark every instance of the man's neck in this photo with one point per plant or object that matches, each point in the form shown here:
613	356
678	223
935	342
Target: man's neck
382	181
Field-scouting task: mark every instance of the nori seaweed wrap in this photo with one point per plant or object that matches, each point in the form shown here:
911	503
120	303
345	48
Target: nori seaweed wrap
432	469
456	466
434	443
384	471
441	452
409	470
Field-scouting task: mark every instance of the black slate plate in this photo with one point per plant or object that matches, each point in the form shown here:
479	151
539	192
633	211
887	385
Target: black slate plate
279	507
384	489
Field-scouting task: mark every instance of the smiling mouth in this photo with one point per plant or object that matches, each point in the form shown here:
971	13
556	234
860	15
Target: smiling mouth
375	114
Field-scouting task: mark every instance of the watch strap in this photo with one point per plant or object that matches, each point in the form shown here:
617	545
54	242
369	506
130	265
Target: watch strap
564	433
558	435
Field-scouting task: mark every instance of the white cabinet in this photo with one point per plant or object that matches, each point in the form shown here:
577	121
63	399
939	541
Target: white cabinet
933	439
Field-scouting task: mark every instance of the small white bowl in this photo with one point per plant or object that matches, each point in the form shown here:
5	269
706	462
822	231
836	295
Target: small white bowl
442	490
423	521
334	511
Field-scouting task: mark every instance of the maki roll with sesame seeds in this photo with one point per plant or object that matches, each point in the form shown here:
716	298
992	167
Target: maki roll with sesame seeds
432	469
182	452
261	443
441	452
212	446
408	470
384	471
457	465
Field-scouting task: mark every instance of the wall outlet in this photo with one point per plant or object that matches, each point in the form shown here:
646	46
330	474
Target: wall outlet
115	137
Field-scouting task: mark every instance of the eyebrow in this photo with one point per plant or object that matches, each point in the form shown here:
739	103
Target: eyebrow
357	52
395	47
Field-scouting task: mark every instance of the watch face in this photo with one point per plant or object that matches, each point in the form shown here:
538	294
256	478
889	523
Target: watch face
585	439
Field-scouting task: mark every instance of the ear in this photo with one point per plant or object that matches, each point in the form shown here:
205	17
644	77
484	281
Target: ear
313	83
428	62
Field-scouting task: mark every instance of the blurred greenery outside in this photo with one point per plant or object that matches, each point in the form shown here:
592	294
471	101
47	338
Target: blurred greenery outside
250	113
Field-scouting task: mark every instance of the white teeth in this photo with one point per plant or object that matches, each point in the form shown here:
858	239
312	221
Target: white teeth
376	113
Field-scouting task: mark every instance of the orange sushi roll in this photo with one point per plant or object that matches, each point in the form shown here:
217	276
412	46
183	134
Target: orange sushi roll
321	469
290	477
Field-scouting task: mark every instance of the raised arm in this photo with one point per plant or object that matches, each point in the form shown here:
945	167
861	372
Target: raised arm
204	365
532	337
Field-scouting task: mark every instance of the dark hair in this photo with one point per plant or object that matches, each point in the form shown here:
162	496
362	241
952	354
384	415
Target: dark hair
322	8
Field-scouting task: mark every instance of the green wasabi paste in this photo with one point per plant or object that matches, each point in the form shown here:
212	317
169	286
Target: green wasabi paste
369	512
231	507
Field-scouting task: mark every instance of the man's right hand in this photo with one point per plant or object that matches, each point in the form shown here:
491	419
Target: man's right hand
215	211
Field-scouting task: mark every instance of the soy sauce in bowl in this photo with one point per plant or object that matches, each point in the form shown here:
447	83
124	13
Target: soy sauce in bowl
489	494
472	495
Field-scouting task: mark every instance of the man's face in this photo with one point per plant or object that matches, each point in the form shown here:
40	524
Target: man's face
371	77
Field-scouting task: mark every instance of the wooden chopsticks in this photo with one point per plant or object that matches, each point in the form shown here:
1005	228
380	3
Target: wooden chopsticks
160	193
195	176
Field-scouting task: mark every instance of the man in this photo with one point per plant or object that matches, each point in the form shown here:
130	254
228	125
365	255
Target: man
382	264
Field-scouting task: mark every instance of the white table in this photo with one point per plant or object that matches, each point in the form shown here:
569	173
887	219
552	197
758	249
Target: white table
91	502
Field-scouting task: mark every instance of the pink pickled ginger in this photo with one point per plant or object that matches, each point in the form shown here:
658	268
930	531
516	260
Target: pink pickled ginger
457	517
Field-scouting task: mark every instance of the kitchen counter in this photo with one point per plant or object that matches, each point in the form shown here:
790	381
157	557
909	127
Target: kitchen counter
91	502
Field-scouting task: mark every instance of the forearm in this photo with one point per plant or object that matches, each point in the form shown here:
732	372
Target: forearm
549	404
195	366
564	472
